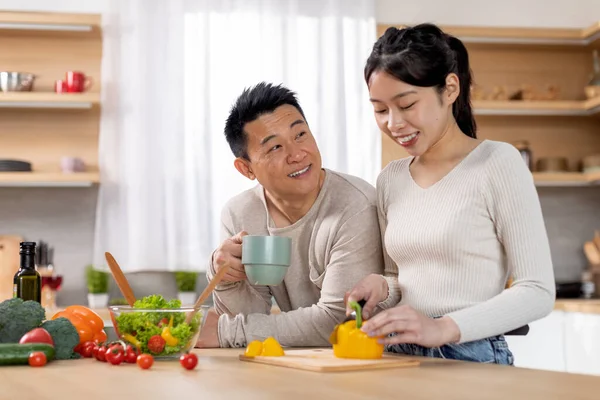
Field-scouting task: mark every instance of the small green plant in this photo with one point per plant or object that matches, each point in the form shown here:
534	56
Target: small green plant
119	301
186	281
97	281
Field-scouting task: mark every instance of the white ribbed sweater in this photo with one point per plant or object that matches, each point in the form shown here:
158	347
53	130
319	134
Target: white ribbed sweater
454	244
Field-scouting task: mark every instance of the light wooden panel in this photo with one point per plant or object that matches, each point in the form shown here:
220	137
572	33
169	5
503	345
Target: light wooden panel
587	36
49	24
34	126
49	58
568	68
44	136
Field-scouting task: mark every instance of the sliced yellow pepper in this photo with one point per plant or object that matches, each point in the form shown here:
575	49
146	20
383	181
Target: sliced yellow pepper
131	339
170	340
350	342
254	348
271	348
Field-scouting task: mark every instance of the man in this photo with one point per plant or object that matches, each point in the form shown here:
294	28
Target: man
331	218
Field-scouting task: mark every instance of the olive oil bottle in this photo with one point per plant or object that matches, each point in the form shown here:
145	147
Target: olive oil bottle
27	281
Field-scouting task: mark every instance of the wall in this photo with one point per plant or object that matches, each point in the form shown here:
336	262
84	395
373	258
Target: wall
65	217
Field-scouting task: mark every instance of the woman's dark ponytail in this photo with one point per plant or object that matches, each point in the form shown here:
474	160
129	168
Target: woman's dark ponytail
423	55
462	108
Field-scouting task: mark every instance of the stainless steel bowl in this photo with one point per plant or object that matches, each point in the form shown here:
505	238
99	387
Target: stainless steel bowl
16	81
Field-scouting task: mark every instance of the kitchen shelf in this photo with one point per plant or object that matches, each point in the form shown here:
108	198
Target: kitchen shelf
566	178
589	36
48	179
59	23
524	107
49	100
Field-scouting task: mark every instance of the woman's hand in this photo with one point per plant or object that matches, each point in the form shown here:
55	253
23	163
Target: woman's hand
373	289
411	326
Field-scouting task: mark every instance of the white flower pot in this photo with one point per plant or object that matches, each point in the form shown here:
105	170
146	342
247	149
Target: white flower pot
187	298
97	300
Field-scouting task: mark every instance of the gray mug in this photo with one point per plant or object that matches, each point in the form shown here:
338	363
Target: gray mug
266	258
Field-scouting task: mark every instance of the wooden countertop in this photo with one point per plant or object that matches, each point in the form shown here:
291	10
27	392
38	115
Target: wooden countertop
589	306
220	375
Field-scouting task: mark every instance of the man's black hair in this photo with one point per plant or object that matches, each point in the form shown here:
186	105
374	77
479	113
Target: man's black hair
250	105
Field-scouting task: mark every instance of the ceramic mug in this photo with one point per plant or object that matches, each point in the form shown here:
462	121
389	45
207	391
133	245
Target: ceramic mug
266	258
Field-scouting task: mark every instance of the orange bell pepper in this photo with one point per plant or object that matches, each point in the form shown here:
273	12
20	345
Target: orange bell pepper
88	324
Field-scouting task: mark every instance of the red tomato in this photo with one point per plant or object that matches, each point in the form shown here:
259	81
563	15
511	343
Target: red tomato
87	350
145	361
131	355
37	359
115	354
37	335
188	360
101	353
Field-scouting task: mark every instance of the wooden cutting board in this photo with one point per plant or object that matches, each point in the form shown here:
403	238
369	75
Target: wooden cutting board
323	360
9	263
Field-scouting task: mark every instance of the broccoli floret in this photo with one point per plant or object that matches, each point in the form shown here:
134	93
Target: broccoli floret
17	317
65	337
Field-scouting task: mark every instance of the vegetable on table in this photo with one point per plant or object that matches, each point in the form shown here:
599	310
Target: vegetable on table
37	335
188	360
166	334
17	317
270	347
152	331
18	354
145	361
37	359
65	337
89	325
350	342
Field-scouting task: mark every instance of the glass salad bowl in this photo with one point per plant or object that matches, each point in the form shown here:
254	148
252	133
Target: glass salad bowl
160	330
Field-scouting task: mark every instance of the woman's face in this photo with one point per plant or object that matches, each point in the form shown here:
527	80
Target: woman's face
414	117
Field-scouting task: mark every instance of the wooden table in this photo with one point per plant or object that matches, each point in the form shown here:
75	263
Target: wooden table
220	375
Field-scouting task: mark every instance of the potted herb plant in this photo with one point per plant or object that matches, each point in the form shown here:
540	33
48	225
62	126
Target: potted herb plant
97	285
186	286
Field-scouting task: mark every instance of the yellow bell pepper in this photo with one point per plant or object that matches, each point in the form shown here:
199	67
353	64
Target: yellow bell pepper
350	342
254	348
270	347
170	340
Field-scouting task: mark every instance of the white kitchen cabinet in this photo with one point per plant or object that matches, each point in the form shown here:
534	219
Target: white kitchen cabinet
543	347
582	343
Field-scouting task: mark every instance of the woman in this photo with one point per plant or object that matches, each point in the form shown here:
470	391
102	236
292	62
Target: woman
458	216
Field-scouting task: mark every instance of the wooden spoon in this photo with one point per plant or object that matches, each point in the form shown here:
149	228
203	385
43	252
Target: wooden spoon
120	279
207	291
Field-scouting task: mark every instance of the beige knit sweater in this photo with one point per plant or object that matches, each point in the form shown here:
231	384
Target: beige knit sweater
334	246
453	245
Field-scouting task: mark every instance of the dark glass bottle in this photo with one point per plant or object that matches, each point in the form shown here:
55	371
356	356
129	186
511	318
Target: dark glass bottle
523	147
27	281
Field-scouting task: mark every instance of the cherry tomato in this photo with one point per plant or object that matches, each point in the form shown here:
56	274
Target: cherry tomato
145	361
87	350
188	360
78	348
101	353
131	354
115	354
37	359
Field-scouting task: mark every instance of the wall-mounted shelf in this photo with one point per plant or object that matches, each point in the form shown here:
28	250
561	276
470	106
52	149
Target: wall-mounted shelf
48	179
57	23
589	36
566	179
522	107
49	100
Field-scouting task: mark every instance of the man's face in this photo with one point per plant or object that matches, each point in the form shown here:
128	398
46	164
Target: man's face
283	153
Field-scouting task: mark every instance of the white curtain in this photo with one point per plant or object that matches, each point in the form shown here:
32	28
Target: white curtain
171	71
